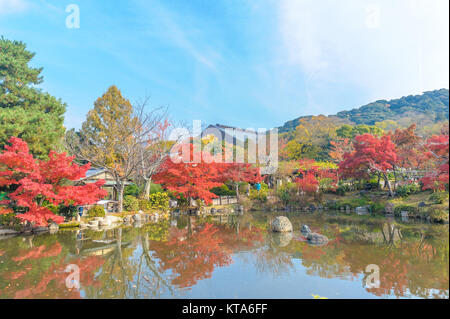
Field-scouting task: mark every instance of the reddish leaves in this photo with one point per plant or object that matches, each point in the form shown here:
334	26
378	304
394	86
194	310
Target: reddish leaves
37	183
371	154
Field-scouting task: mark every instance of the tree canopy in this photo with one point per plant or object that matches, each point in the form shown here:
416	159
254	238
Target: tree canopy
25	110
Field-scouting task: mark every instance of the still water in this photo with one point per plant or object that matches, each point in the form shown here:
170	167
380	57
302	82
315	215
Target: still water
232	257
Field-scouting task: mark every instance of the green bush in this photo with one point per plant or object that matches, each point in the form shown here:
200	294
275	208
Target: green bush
259	196
223	190
354	202
405	208
286	193
438	197
406	190
68	212
377	208
342	189
130	203
96	211
132	190
10	220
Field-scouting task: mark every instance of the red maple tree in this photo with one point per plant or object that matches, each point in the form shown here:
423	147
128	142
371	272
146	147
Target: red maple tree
37	184
241	172
438	147
193	180
372	155
314	177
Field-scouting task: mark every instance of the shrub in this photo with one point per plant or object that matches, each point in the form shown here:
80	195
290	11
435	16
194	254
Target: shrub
159	201
438	197
132	190
223	191
342	189
259	196
130	203
406	190
377	208
405	208
68	212
353	202
9	220
96	211
286	193
145	205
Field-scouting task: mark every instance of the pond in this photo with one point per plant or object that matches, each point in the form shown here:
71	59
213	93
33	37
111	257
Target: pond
232	257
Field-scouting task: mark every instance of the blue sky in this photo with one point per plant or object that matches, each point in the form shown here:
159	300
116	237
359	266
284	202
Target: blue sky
237	62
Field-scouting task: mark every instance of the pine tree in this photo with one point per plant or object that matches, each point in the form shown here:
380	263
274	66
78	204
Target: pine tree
26	111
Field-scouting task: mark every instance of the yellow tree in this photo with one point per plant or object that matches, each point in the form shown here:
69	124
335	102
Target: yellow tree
108	138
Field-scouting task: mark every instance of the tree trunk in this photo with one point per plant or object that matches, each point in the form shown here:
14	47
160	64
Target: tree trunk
388	183
236	186
148	184
120	195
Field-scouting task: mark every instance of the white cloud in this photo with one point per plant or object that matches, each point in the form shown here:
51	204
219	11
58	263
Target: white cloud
12	6
388	48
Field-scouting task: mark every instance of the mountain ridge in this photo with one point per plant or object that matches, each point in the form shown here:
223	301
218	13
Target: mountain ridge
423	109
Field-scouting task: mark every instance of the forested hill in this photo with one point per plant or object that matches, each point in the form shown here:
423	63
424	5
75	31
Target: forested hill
425	109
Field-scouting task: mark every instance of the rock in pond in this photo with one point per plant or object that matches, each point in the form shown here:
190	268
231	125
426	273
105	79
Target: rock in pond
281	224
305	229
317	239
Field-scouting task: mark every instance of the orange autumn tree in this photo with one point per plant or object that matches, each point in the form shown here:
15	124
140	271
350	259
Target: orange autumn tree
34	185
438	153
192	179
314	177
372	155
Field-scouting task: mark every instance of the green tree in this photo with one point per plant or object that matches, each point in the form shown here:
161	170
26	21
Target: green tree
25	110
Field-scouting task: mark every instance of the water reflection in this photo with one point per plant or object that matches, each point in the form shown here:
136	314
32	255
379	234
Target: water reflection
173	258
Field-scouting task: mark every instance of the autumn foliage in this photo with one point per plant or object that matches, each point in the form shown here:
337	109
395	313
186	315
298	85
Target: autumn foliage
193	180
36	184
439	154
314	177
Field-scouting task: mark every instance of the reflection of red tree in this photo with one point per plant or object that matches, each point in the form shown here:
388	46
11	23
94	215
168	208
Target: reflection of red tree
53	281
39	252
194	258
50	281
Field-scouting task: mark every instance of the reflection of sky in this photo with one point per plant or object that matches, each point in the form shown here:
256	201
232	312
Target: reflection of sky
240	280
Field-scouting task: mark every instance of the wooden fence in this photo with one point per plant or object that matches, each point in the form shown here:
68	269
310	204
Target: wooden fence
224	200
